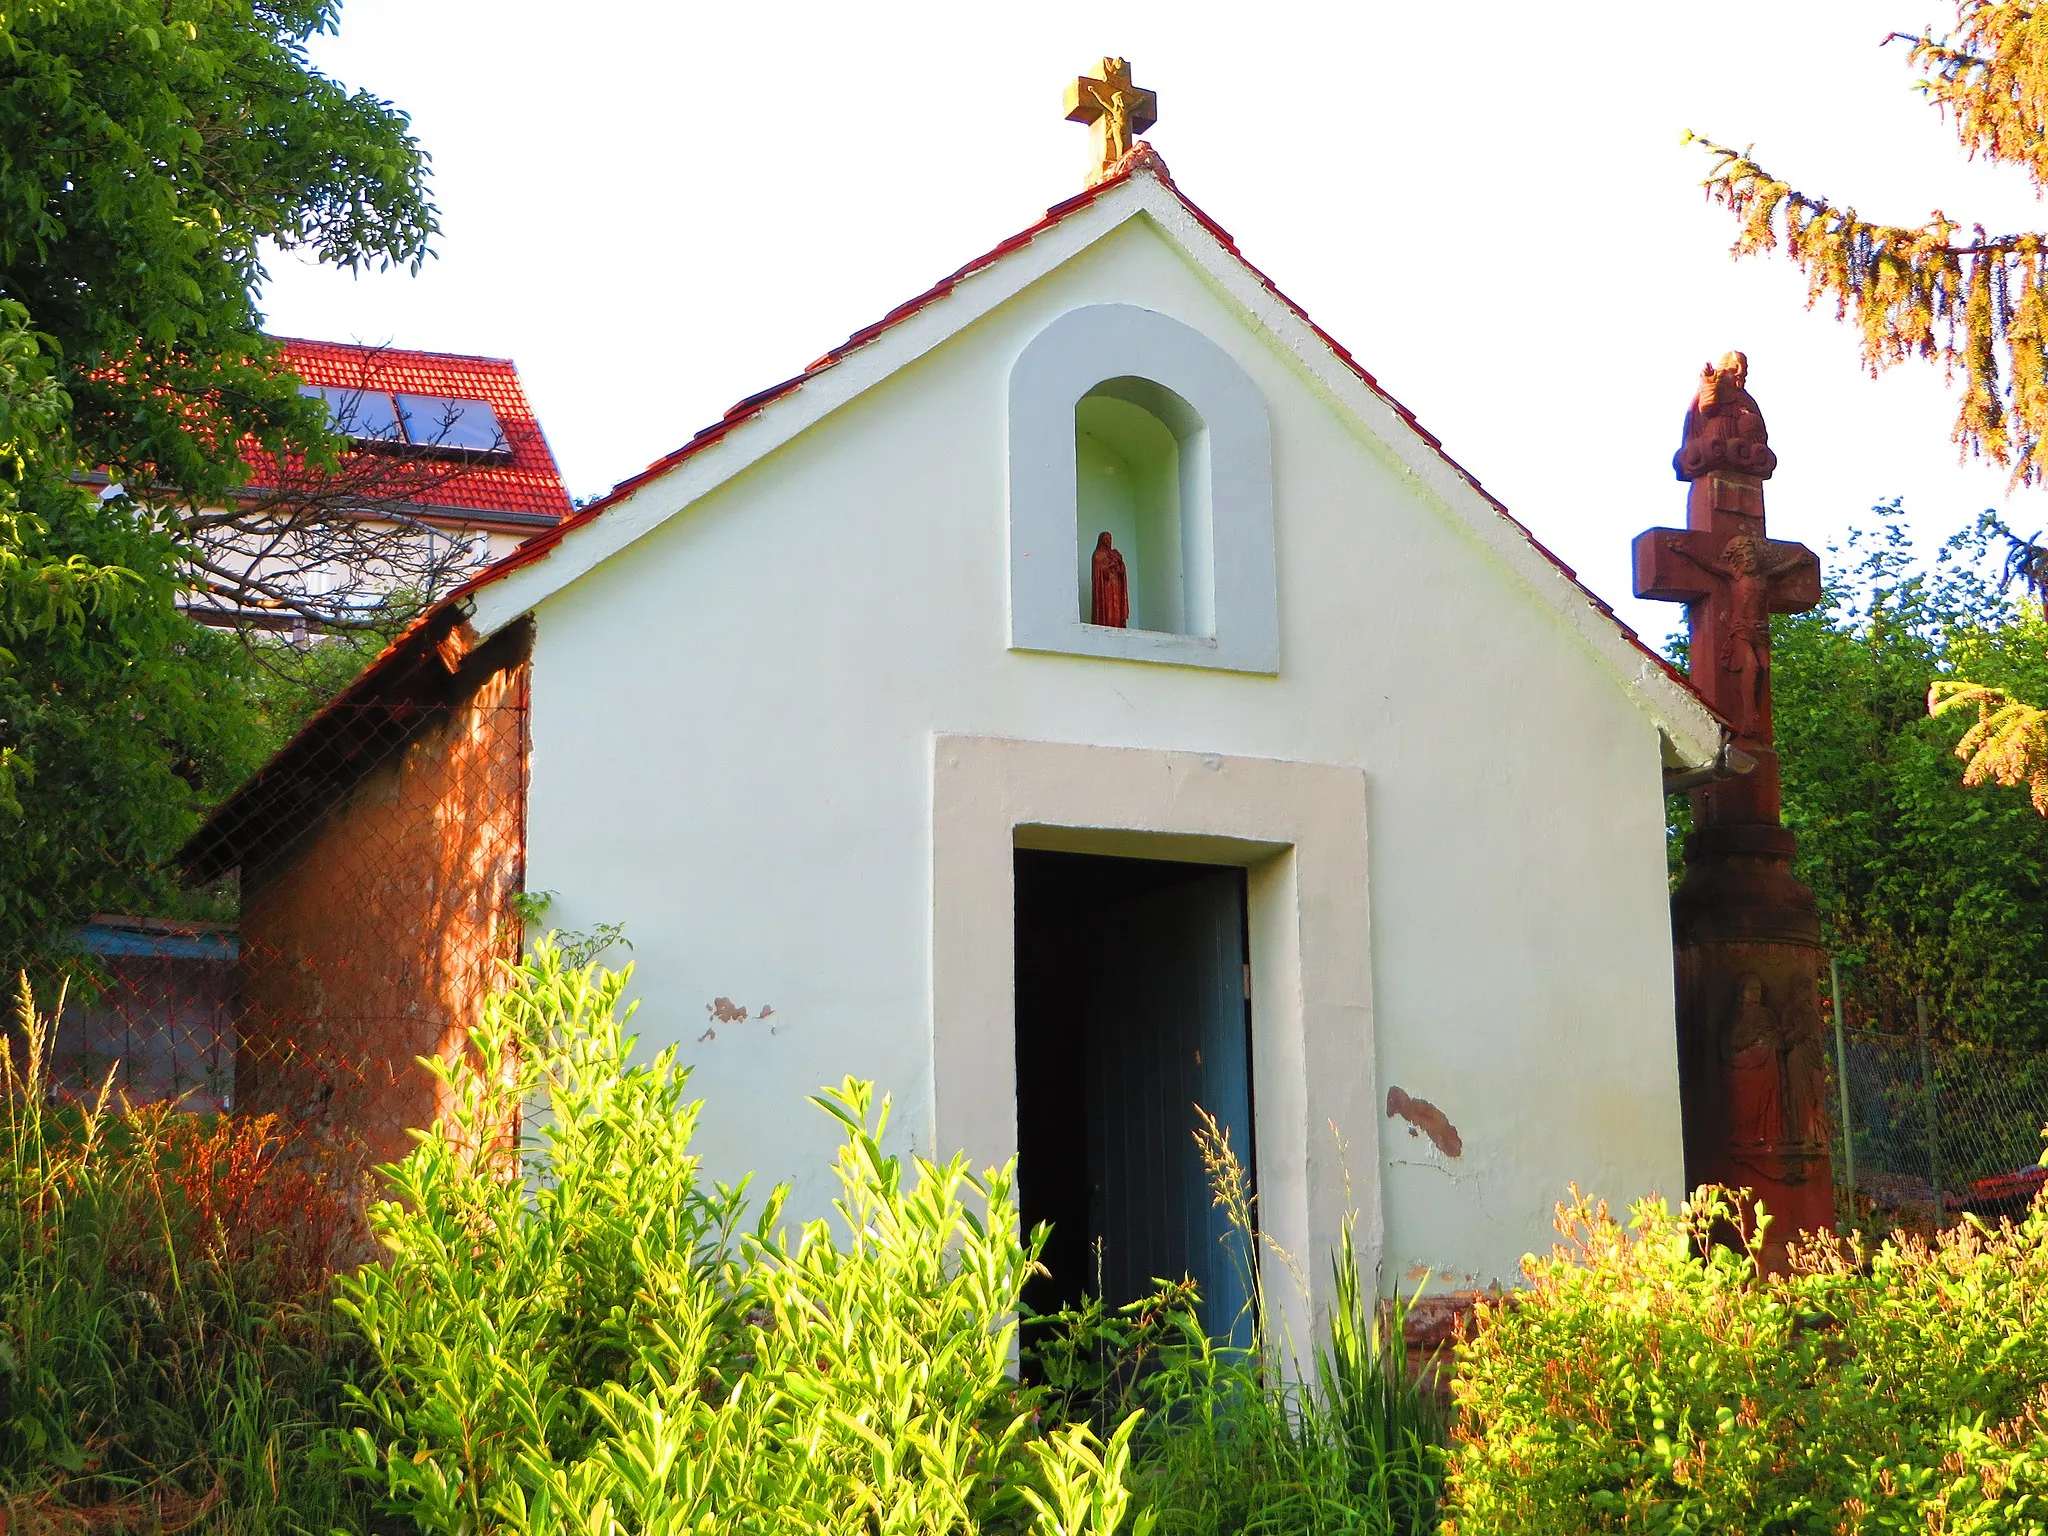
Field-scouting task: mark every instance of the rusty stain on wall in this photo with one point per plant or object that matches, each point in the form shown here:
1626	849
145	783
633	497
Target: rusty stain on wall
1426	1119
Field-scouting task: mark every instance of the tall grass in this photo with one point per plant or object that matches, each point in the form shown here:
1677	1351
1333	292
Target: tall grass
168	1359
1257	1440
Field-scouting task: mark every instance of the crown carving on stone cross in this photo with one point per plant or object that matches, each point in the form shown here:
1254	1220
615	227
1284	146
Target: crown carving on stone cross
1116	111
1724	430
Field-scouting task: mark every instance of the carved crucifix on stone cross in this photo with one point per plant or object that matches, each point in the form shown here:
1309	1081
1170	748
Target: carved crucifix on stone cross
1116	112
1722	566
1733	583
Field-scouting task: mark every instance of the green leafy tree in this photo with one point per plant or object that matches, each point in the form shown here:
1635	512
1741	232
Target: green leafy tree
1925	886
150	151
152	148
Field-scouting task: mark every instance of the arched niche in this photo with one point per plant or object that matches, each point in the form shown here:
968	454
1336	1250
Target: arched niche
1141	474
1126	421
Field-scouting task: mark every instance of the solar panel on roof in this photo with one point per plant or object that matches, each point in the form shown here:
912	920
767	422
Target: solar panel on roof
366	415
436	421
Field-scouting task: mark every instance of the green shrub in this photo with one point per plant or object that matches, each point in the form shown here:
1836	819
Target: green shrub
1637	1386
168	1356
577	1334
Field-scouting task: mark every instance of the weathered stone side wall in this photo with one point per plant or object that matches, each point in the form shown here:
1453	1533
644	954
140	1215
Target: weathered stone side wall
370	941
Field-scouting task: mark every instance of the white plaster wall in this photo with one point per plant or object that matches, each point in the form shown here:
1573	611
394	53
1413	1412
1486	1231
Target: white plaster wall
732	747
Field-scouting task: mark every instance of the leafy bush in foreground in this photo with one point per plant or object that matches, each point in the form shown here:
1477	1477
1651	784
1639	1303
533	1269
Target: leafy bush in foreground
1636	1387
572	1331
577	1335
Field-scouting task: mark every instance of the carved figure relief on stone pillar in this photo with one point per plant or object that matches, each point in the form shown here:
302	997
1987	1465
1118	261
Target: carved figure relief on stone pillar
1753	1044
1774	1074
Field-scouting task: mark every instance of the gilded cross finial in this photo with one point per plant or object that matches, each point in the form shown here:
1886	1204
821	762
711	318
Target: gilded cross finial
1115	110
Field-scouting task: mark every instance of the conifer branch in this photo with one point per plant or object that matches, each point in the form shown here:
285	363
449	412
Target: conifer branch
2008	745
1991	80
1979	306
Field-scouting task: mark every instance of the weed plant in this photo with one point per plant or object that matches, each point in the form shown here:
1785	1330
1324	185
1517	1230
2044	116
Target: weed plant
1250	1440
572	1331
168	1357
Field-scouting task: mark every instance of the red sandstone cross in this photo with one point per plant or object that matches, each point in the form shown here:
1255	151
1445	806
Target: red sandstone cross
1721	565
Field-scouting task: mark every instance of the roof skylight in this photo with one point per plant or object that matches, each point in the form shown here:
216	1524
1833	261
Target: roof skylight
432	423
366	415
435	421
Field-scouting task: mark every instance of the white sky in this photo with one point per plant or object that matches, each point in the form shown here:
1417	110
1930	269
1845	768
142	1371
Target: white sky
657	209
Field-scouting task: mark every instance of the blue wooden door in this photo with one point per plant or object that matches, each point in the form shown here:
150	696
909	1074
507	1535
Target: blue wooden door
1167	1029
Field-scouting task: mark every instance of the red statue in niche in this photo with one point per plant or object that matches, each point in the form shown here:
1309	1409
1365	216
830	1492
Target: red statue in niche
1111	604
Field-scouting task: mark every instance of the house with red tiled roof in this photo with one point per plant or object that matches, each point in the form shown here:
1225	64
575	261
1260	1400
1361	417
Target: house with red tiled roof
447	471
1081	696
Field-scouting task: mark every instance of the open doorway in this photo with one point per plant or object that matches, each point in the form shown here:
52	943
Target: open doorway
1133	986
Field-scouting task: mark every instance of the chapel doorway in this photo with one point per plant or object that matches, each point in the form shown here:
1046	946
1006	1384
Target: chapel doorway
1132	994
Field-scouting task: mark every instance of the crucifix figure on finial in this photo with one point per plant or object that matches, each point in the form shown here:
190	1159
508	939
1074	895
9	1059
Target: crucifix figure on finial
1115	110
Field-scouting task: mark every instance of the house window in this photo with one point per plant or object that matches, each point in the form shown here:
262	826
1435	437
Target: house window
1126	422
1141	475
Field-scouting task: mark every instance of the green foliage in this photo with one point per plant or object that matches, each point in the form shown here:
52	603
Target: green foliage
572	1331
167	1354
578	949
1924	885
147	149
576	1333
1634	1386
151	146
119	720
1229	1444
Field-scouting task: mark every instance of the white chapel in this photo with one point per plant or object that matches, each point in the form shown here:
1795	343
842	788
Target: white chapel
1350	832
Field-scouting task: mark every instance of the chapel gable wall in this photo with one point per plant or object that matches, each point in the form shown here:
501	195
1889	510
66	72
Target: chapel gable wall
735	722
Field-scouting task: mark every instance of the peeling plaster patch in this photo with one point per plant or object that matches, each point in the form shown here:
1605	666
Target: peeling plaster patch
1445	1276
724	1011
1426	1119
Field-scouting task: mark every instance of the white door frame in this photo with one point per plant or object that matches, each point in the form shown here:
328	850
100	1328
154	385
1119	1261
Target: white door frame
1298	829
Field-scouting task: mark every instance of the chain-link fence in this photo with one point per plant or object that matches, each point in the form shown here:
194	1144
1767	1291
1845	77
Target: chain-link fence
378	858
1926	1129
